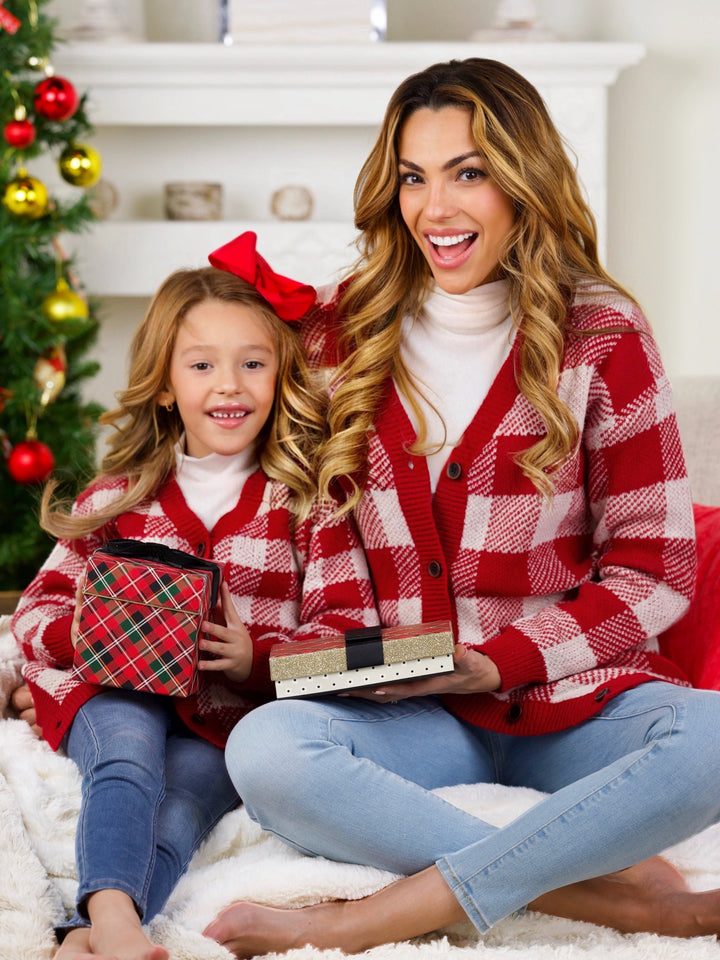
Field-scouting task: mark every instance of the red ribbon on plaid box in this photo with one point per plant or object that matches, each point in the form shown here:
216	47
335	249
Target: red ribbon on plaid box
142	607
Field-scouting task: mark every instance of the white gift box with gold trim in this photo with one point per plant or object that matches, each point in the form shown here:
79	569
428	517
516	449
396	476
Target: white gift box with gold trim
362	657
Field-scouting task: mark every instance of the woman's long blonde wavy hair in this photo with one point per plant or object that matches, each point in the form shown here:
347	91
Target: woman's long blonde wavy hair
142	446
550	252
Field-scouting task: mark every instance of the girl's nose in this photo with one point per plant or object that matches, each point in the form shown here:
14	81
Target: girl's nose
229	382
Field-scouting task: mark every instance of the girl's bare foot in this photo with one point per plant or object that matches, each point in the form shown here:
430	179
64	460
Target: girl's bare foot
76	946
117	931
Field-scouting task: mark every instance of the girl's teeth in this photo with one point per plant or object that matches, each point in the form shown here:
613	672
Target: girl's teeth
227	416
450	241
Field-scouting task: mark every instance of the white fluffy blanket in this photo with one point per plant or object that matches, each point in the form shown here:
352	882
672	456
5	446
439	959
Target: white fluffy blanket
39	802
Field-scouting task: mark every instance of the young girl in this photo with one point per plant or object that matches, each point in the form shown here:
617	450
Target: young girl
211	455
504	430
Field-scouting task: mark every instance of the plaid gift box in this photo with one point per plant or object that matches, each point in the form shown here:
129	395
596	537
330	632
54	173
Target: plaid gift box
359	658
142	607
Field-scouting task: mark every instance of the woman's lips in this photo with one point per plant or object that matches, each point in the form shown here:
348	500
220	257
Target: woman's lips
450	250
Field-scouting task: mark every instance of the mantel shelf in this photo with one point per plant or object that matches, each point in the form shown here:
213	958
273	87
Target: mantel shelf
131	258
212	84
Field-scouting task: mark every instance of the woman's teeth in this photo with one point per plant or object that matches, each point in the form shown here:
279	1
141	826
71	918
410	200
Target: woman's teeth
449	241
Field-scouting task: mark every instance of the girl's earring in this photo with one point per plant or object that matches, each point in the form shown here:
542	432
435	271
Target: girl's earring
169	405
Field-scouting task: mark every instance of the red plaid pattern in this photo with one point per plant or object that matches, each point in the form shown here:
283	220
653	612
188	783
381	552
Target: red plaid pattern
567	596
139	625
286	579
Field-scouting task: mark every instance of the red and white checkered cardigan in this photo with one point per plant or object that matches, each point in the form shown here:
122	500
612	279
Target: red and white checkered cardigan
566	596
287	579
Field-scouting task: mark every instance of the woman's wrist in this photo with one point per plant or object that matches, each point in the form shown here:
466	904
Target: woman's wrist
475	671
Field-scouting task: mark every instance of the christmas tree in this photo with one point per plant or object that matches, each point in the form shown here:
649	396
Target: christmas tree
46	323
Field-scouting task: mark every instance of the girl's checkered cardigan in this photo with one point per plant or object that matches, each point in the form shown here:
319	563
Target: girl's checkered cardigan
286	578
565	595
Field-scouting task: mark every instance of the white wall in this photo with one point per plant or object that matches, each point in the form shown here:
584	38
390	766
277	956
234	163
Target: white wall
664	164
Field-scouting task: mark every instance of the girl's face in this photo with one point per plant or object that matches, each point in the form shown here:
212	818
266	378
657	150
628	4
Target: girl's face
222	376
457	215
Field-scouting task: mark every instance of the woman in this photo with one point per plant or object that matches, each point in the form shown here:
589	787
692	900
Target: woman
503	430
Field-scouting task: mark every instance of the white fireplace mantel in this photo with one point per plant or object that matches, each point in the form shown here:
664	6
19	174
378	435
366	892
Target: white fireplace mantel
258	117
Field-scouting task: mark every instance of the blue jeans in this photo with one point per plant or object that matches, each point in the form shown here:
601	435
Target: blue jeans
151	791
350	780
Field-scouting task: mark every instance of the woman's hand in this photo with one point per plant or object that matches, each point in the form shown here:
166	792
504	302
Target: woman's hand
231	645
473	673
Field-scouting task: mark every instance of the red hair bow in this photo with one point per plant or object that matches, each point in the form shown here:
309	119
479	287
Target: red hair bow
288	298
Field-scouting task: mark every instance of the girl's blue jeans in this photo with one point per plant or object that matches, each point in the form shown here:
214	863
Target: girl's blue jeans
350	780
151	791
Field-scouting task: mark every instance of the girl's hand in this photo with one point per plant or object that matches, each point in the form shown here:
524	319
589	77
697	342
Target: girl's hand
474	673
231	645
75	625
22	703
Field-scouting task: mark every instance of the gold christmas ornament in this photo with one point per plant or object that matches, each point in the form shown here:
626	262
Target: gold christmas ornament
80	165
26	197
64	304
49	374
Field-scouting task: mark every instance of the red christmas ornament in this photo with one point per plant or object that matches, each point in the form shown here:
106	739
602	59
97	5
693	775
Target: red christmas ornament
30	462
8	21
55	98
19	133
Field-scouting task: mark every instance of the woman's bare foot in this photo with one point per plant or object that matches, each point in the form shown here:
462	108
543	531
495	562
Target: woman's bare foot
117	931
407	908
651	897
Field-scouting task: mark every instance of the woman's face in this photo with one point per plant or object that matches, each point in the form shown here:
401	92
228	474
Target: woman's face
457	215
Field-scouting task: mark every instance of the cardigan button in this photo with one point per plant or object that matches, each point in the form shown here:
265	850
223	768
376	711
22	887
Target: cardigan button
601	694
435	569
199	719
200	549
514	713
454	470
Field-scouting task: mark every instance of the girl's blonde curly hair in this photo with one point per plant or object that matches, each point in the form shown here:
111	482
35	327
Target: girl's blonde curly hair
142	447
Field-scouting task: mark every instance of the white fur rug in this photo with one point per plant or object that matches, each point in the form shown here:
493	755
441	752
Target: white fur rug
39	802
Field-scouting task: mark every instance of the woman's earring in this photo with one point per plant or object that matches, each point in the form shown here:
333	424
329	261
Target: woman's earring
169	405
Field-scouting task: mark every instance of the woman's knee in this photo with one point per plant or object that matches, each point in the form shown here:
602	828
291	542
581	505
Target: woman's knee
264	750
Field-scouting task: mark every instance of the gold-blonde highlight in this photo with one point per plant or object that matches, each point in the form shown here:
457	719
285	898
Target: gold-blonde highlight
550	254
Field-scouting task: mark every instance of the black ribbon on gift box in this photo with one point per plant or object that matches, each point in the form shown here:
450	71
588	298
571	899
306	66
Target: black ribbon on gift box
363	647
160	553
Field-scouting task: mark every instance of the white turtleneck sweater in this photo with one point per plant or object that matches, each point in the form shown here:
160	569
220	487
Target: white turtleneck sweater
211	485
454	349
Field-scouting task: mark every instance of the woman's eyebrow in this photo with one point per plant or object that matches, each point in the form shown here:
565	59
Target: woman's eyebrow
454	162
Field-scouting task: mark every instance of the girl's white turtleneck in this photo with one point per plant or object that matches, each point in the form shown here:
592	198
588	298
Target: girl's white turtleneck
454	349
211	485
